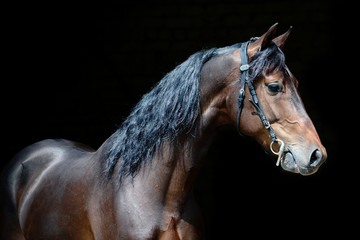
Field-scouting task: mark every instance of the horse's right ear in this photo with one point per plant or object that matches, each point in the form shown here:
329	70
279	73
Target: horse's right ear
263	41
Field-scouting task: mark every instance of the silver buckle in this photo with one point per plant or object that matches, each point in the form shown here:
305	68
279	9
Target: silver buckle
244	67
280	152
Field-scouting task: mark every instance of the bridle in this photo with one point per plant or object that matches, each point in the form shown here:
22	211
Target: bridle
244	67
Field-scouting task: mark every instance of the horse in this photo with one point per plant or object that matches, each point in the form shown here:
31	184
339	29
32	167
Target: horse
139	183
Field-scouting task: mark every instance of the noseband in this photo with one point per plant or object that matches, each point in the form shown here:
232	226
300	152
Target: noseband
244	67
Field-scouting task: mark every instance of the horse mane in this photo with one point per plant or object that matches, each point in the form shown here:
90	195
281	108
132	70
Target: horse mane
172	108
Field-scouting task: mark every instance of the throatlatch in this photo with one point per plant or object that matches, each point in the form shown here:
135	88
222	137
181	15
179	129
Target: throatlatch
244	67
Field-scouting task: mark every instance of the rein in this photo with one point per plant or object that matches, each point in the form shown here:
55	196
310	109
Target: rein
244	67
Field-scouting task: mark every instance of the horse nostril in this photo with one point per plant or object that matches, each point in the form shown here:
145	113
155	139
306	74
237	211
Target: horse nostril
315	157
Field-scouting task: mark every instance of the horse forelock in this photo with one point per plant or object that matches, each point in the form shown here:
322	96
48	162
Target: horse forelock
268	60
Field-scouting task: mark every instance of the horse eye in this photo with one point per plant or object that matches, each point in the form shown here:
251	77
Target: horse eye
275	87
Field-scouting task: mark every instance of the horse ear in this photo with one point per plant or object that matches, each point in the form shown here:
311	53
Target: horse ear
280	40
263	41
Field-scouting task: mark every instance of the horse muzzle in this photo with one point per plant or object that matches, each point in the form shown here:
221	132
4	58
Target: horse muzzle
305	162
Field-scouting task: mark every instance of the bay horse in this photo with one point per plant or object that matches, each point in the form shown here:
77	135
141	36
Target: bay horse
138	184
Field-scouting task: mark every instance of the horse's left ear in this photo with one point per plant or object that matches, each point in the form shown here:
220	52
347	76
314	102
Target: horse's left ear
262	42
280	40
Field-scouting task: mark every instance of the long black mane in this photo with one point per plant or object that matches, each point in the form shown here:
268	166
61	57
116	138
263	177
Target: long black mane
172	108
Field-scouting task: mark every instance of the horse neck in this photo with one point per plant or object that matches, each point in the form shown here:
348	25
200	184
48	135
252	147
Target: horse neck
170	176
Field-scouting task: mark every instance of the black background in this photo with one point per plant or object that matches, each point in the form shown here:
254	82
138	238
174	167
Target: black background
75	69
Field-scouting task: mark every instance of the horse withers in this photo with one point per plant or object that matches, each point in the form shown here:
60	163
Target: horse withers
138	184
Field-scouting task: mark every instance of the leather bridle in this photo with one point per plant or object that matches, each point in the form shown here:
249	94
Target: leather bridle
244	67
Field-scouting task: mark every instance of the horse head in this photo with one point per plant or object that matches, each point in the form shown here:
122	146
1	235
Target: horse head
278	121
277	91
